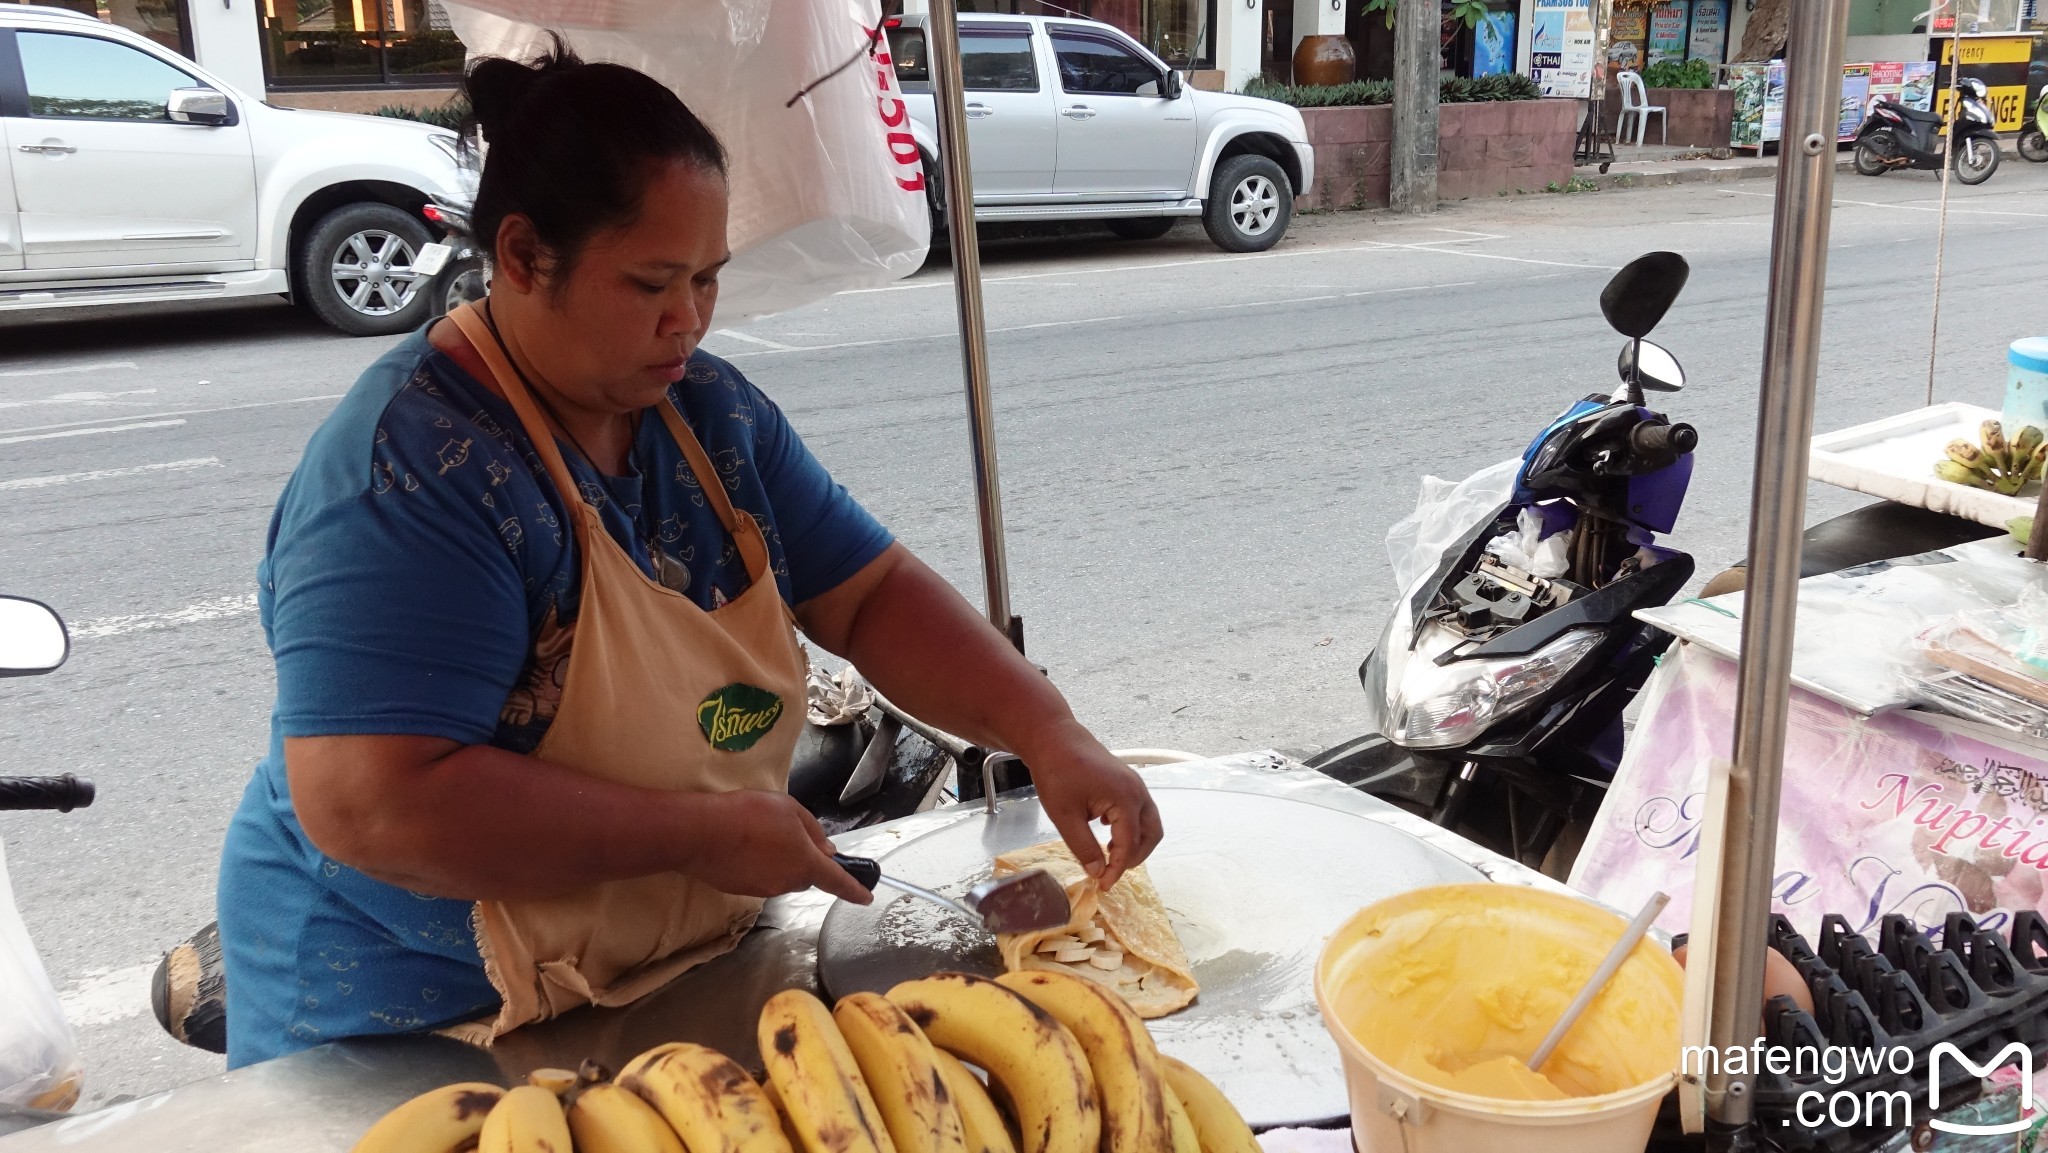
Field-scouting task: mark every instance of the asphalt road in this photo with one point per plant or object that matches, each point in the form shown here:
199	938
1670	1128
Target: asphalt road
1200	456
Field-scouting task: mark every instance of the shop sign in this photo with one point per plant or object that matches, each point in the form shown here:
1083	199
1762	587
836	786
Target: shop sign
1625	44
2001	63
1855	95
1667	31
1709	38
1561	47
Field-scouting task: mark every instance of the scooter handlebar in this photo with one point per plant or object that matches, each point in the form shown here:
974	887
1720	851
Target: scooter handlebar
63	793
1665	440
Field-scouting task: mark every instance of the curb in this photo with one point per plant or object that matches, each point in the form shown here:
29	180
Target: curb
1720	173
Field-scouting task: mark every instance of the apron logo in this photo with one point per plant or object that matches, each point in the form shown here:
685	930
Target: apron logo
736	716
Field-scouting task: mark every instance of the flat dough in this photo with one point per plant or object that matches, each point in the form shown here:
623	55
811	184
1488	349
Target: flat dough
1154	978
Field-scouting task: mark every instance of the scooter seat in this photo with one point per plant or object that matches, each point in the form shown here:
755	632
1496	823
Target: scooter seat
1915	115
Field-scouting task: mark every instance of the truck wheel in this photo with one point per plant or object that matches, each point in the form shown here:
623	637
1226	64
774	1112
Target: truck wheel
1140	227
1250	203
355	270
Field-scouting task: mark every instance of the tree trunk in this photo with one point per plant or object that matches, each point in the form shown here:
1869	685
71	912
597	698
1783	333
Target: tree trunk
1764	36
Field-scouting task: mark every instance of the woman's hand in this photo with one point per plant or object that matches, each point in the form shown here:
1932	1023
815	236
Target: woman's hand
1079	781
753	843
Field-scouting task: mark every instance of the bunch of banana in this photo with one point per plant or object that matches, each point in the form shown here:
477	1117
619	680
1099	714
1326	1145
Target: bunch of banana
2001	465
1074	1068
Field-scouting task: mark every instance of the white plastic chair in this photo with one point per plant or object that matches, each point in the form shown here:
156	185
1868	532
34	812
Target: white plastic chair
1635	101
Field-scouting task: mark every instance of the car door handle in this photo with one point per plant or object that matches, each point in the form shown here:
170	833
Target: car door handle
49	149
1078	112
978	111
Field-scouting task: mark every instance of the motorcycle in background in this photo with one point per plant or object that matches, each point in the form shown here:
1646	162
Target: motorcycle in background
460	277
2034	140
1895	136
1497	687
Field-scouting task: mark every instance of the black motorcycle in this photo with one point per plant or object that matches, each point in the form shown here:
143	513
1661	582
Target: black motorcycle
1895	136
461	278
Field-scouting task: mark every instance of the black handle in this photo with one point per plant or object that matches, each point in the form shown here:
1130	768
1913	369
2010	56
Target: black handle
866	870
63	793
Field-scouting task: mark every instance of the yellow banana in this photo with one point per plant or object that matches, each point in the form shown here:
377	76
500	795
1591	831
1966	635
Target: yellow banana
1954	473
608	1118
1181	1127
795	1142
1969	456
556	1081
1217	1122
1992	434
527	1119
436	1121
2036	462
1120	1053
979	1117
1030	1055
706	1098
901	1073
817	1079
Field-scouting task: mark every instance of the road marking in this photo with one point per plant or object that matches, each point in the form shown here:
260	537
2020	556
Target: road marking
81	398
1431	247
947	281
102	366
175	412
106	997
109	473
1421	287
1905	207
219	608
92	431
737	335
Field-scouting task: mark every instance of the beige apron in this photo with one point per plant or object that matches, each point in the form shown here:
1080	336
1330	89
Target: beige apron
661	694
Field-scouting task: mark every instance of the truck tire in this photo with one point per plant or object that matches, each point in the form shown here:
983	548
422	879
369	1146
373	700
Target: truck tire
354	270
1250	203
1140	227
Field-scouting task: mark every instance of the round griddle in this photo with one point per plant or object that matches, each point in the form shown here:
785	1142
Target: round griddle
1253	885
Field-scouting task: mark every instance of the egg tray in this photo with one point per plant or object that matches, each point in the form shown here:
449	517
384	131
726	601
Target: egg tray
1977	990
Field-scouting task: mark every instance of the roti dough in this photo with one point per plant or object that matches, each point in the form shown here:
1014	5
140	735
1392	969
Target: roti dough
1128	925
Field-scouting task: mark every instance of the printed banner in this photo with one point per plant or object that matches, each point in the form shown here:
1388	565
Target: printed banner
1883	814
1667	31
1625	38
1561	47
1855	94
1709	38
1493	44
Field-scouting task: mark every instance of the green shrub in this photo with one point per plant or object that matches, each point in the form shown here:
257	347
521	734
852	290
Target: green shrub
1673	74
1455	90
449	115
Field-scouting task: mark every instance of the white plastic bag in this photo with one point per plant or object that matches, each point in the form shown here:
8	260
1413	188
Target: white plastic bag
1528	549
827	194
38	1050
1443	513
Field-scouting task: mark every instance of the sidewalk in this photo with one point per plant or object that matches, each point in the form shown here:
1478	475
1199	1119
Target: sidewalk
1654	166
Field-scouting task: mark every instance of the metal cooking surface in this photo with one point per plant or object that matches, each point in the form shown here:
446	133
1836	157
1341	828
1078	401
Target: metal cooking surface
1253	884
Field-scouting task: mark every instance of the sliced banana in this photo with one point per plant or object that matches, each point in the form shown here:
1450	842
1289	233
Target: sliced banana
1107	961
1055	944
1075	955
1092	934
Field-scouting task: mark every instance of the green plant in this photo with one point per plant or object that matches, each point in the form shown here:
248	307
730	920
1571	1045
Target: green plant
1505	86
449	115
1455	90
1466	12
1676	74
1575	184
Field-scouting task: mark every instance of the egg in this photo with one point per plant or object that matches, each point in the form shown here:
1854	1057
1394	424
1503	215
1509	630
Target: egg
1781	979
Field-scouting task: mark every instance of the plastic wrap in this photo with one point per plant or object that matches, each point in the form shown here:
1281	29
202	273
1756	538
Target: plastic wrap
1444	513
38	1050
828	194
1986	665
1528	549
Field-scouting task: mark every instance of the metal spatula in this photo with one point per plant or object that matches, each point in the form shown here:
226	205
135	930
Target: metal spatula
1019	903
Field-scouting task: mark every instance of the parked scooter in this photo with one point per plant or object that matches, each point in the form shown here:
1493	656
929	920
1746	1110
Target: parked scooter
1497	688
2034	141
461	278
1895	136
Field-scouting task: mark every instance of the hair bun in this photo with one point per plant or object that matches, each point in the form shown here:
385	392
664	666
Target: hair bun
497	88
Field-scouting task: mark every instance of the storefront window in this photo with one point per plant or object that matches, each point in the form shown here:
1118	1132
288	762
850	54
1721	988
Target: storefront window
359	42
163	21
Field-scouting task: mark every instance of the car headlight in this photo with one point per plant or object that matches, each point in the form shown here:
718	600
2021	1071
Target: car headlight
1439	706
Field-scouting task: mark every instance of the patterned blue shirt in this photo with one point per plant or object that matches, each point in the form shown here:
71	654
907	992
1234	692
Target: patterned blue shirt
422	578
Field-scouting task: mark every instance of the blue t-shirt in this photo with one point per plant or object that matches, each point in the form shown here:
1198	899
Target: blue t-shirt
422	578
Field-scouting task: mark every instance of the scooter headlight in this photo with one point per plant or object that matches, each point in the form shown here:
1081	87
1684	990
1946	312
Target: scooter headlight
1434	706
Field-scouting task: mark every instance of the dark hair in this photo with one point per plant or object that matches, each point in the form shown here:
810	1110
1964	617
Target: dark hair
571	145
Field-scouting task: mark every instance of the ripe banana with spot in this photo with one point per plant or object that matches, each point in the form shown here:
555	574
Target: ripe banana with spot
1969	456
1120	1052
979	1117
1992	435
1036	1061
902	1074
608	1118
710	1102
527	1119
1181	1127
1217	1122
437	1121
817	1079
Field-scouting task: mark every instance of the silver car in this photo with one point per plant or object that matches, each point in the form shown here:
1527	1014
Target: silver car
1072	120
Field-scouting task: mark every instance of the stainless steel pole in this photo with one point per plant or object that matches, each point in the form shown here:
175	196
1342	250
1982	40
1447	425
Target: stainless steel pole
957	178
1777	510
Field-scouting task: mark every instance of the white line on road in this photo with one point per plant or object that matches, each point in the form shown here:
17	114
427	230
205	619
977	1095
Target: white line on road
104	998
109	473
1432	246
102	366
82	398
176	412
219	608
1905	207
738	335
92	431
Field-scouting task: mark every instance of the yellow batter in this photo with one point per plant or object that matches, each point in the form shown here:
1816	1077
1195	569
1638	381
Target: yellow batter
1456	986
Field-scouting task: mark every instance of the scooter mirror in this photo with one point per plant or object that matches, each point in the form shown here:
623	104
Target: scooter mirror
32	638
1642	292
1659	369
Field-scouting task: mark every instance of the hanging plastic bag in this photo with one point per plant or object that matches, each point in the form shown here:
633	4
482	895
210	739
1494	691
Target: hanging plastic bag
1528	549
1445	512
38	1050
828	193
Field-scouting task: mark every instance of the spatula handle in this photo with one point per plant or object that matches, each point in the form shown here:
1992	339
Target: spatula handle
866	870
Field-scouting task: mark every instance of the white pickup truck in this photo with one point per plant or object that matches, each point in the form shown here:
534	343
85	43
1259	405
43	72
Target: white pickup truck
1072	120
131	174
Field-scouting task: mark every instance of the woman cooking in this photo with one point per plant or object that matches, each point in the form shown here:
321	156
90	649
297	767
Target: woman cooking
530	595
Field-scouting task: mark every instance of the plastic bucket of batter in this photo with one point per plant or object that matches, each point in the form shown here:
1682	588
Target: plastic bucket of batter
1438	996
